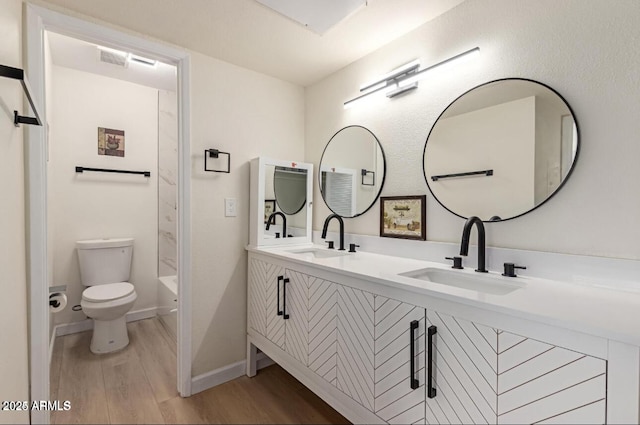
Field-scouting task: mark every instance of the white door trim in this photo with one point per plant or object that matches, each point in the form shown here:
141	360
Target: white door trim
39	19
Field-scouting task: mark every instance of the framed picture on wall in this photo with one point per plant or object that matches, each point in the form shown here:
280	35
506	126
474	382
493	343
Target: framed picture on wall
110	142
269	208
403	217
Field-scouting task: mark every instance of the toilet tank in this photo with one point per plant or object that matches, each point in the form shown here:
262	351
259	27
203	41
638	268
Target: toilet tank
104	260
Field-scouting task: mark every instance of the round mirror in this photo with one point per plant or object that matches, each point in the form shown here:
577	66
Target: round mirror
352	171
290	189
501	149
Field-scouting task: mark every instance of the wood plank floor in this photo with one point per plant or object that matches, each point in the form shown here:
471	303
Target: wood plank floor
138	385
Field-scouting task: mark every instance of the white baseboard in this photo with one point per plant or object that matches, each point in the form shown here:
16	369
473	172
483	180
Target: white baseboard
145	313
73	328
87	324
224	374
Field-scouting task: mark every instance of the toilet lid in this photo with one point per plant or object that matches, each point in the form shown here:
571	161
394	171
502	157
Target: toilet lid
107	292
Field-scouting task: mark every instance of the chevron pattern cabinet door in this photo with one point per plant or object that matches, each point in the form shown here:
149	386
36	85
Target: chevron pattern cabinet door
297	307
355	345
395	400
464	372
274	326
257	297
542	383
323	328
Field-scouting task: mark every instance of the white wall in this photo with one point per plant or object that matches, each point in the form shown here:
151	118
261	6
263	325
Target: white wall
14	373
247	114
583	49
100	205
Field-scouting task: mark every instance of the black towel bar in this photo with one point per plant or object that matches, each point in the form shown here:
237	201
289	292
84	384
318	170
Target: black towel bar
215	153
470	173
109	170
18	74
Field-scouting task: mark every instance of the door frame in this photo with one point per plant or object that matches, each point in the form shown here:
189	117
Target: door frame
38	20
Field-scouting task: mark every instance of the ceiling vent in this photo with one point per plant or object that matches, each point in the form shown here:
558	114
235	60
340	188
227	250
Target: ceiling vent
114	57
316	15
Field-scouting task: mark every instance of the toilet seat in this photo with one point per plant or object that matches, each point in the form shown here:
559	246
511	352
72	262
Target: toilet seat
107	292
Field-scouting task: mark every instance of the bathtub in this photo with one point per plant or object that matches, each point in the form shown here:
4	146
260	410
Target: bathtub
168	303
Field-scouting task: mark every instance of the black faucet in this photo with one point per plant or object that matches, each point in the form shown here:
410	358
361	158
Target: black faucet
272	217
464	245
326	225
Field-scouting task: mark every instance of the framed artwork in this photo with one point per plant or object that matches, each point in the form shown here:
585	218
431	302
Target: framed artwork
403	217
110	142
269	208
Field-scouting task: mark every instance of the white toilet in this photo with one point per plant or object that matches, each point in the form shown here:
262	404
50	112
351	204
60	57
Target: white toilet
105	265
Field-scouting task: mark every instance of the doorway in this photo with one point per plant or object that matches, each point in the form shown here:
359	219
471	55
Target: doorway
40	251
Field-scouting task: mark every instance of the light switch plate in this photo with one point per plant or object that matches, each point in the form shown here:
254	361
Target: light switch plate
230	207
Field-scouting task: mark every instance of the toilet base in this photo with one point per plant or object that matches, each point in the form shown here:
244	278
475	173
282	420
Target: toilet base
109	335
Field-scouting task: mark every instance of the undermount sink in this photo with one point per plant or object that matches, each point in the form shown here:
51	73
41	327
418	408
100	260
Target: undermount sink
318	252
475	282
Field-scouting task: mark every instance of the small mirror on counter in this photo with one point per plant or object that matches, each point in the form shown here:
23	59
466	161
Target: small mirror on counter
289	189
352	171
281	202
501	150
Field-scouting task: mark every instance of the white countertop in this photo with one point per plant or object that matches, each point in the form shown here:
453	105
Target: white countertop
603	312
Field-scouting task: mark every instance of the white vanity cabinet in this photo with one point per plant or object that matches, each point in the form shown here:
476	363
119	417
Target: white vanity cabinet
364	348
279	306
463	370
545	383
380	344
362	344
400	361
296	312
485	375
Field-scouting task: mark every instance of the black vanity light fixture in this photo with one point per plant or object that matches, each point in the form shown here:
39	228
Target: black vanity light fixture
18	74
404	78
215	153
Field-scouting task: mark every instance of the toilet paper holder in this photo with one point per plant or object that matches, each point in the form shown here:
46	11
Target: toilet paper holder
53	299
54	295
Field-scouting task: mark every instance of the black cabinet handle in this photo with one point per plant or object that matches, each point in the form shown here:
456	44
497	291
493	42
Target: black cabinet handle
412	360
278	295
284	298
431	391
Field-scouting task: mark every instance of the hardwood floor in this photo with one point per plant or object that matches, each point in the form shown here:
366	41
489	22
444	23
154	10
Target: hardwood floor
138	385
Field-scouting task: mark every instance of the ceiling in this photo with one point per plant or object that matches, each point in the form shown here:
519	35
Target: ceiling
250	34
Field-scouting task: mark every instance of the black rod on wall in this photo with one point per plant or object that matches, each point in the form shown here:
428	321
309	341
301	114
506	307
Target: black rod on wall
109	170
470	173
18	74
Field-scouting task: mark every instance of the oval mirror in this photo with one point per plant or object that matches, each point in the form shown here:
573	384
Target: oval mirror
352	171
290	189
501	149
